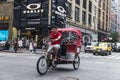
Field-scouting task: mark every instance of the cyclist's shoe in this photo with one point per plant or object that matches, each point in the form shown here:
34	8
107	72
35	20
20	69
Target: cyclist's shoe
54	61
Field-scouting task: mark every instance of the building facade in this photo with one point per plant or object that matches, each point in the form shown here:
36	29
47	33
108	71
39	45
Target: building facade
114	16
6	19
104	8
118	18
91	16
83	14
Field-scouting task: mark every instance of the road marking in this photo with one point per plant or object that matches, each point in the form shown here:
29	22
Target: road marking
114	57
100	62
111	56
94	62
32	57
117	58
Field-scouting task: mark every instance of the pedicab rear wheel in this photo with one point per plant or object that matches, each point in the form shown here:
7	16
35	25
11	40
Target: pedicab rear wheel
76	62
42	65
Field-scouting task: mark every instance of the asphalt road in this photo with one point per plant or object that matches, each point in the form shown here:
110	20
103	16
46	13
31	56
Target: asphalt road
23	67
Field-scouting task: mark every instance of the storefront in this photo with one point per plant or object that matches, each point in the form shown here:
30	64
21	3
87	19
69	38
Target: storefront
102	36
6	19
4	28
31	17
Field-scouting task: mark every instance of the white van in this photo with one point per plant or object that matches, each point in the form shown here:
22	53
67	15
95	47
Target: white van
90	46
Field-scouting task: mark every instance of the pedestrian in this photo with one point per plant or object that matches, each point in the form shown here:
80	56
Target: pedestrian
27	43
34	46
20	45
43	43
7	45
15	45
31	46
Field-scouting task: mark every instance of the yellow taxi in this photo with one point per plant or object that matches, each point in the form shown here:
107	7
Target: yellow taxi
103	48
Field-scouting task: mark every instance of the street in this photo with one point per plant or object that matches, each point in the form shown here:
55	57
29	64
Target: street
22	66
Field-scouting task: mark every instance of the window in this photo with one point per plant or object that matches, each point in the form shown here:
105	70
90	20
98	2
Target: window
77	1
95	10
99	24
103	16
69	9
103	6
69	35
104	1
94	21
99	3
103	25
99	13
84	4
106	18
84	17
89	19
77	13
90	6
106	9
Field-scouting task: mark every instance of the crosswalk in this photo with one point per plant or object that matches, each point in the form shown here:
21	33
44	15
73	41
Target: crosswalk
112	57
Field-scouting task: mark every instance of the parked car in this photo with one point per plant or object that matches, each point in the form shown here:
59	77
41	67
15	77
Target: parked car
90	46
116	46
103	48
113	45
2	45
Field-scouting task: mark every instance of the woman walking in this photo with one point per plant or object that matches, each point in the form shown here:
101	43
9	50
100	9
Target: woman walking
31	47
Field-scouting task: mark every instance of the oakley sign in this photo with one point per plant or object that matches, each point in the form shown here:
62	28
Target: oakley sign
61	11
33	8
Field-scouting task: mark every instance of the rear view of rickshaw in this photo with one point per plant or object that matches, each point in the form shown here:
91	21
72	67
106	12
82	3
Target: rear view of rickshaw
68	53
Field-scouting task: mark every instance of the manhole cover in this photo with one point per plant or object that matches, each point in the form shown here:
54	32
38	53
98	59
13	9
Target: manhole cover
68	78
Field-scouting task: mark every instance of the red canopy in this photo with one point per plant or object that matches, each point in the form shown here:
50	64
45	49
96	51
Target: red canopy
76	30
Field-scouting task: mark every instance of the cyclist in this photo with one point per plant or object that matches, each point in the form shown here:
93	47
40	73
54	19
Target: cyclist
55	38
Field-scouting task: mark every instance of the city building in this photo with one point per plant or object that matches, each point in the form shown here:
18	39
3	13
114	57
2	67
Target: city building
104	8
83	14
113	16
118	18
92	17
6	19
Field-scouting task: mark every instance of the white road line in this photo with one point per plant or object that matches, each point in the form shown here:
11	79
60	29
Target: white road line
100	62
32	57
117	58
111	57
84	56
96	62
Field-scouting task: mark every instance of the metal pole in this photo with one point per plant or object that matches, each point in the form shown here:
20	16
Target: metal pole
49	13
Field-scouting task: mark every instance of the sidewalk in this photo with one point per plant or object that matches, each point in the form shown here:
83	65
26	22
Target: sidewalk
25	51
38	51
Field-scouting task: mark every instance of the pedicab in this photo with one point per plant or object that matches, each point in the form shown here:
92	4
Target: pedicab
68	53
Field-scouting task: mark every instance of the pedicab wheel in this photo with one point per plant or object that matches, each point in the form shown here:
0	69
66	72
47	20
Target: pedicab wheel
42	65
76	62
